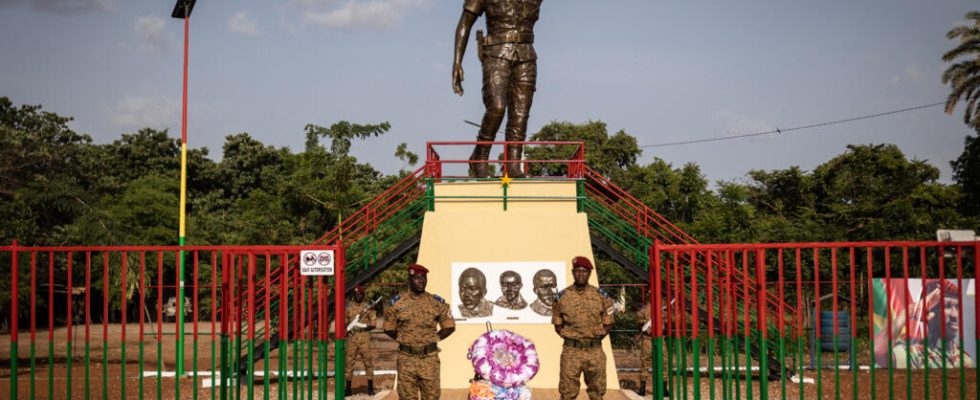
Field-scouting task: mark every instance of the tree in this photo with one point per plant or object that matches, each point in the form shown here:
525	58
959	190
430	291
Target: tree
964	76
609	155
966	172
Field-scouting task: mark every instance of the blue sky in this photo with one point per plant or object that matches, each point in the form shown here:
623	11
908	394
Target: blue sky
663	71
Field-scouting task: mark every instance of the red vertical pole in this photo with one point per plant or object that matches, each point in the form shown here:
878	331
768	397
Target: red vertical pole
799	295
679	301
906	294
340	287
942	296
833	284
692	257
33	300
959	302
760	279
68	330
268	293
888	298
709	260
88	303
122	298
853	306
747	322
283	283
816	301
50	312
159	301
105	297
782	296
13	320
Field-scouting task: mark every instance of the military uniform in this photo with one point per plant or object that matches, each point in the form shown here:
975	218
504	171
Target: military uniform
582	314
415	317
482	310
359	339
510	70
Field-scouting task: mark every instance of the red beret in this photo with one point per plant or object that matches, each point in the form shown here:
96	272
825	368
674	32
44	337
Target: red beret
416	269
582	262
358	289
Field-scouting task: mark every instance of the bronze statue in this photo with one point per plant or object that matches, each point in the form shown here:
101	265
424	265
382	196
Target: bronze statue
546	289
510	286
472	288
510	72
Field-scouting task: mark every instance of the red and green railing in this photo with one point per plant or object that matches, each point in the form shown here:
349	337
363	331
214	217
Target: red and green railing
129	300
908	287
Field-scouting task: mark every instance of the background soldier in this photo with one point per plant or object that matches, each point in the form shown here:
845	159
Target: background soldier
510	72
411	320
359	338
582	316
646	350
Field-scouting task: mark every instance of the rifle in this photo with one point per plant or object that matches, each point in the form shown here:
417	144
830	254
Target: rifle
480	42
360	314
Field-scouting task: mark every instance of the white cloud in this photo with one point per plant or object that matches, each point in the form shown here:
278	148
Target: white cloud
734	123
911	74
137	112
152	34
352	14
240	23
63	6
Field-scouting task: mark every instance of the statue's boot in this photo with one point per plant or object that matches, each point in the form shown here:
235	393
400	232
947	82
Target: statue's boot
478	165
514	153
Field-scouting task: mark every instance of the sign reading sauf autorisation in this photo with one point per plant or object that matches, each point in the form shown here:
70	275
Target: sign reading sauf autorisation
316	262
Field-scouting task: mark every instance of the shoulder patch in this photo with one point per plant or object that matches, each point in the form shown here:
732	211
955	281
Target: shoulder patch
603	293
394	299
561	292
440	299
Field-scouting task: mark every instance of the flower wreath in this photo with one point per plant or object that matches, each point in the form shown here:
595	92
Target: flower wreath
505	358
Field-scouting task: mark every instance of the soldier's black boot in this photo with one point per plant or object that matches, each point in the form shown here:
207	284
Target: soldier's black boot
666	392
514	153
370	387
347	390
643	388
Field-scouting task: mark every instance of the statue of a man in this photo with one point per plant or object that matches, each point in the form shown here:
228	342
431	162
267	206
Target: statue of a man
510	72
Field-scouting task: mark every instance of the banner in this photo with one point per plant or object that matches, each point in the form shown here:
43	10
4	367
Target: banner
932	309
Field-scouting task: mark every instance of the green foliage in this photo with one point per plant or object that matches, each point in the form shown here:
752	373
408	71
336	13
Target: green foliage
963	76
966	172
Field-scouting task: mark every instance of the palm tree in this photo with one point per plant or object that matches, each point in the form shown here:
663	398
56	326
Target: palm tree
964	76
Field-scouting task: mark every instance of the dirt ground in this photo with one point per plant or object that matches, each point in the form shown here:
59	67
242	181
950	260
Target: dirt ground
119	374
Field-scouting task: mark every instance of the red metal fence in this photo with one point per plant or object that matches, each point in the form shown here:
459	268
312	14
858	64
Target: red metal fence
115	299
910	306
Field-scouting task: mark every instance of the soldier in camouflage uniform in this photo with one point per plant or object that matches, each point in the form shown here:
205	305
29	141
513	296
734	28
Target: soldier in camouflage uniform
510	71
359	338
646	349
582	316
411	319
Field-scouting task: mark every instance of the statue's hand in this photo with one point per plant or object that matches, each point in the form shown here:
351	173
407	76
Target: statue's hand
458	79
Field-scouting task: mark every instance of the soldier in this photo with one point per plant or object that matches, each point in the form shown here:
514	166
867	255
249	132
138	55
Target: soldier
510	71
545	283
582	316
411	320
472	289
646	350
359	338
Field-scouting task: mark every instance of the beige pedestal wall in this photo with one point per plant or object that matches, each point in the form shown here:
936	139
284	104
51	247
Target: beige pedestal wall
479	230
